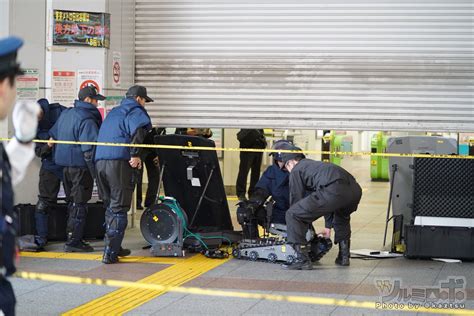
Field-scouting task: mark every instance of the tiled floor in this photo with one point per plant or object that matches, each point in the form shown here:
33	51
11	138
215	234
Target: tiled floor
357	282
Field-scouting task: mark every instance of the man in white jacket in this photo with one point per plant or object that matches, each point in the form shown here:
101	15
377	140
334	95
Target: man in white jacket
14	159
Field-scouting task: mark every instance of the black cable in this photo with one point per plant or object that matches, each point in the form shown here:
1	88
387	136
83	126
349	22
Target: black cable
394	169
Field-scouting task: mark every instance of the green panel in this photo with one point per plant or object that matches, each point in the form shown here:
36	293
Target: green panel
379	165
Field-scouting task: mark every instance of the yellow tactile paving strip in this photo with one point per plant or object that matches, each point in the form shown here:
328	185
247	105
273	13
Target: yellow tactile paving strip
126	299
98	257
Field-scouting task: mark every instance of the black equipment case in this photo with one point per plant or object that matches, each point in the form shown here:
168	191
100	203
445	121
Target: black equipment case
193	178
57	221
439	242
442	188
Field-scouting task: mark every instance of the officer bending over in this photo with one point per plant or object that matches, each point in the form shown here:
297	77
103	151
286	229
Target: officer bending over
14	160
117	166
274	182
332	189
80	124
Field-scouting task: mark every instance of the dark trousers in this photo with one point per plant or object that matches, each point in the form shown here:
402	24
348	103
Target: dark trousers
7	297
248	161
49	185
153	173
116	182
341	197
78	184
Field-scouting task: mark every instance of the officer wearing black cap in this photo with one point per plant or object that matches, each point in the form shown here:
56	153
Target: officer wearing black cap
79	124
127	123
331	189
14	160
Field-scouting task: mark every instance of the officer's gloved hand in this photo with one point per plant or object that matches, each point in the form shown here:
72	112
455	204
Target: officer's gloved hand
25	120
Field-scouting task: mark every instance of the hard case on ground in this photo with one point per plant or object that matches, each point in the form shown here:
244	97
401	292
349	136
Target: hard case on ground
57	221
439	242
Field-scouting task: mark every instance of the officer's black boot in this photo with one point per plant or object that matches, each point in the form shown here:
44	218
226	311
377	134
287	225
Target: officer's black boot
41	218
109	255
302	260
78	222
343	257
42	229
70	220
116	223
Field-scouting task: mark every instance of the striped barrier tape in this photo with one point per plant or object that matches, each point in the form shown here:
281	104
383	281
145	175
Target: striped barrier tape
237	294
266	150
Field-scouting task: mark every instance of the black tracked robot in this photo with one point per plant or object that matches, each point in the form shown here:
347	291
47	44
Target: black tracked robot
272	247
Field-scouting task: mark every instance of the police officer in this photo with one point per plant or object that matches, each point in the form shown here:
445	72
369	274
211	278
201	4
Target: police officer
331	189
274	182
14	159
249	161
51	174
81	124
117	166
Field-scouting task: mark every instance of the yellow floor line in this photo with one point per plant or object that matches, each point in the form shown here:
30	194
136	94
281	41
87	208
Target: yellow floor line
98	257
126	299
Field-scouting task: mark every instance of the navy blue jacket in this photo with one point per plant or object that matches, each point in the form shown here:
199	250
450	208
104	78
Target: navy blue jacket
51	113
80	123
120	126
7	228
276	182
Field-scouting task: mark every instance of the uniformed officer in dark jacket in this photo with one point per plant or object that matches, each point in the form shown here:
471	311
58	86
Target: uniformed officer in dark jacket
274	182
14	160
81	124
249	161
51	174
331	189
117	166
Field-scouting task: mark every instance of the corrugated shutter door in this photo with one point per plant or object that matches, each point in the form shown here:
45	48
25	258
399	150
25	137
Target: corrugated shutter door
316	64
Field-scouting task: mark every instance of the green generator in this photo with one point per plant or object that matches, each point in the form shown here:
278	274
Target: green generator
378	164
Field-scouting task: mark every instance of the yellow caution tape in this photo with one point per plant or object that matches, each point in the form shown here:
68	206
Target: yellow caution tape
266	150
235	294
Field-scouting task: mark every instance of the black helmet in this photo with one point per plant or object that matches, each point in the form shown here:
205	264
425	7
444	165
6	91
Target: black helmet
281	144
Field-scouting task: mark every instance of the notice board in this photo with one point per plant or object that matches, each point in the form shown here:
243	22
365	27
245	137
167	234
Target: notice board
90	29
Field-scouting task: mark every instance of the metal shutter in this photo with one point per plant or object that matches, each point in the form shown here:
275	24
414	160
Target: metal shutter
310	64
